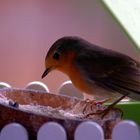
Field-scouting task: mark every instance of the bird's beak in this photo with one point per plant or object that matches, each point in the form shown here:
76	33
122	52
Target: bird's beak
46	72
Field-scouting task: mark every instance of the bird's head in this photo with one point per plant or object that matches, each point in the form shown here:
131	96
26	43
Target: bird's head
61	54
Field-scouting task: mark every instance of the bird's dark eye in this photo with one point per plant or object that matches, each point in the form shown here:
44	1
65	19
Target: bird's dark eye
56	56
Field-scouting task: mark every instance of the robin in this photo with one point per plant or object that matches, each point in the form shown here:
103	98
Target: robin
94	70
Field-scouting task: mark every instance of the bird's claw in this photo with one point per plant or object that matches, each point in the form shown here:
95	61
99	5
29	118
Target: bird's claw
100	102
102	113
91	103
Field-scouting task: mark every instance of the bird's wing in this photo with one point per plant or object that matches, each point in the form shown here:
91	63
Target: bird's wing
111	70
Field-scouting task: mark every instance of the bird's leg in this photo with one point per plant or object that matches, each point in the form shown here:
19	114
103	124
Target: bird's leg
105	111
100	102
112	105
91	102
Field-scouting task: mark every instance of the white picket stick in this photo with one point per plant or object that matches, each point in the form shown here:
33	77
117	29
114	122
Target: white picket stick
13	131
4	85
37	85
67	88
51	131
126	130
89	131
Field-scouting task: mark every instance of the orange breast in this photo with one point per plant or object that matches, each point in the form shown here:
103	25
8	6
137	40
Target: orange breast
68	67
79	80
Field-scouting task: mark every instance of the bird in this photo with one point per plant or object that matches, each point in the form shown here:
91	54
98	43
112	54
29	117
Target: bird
101	72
